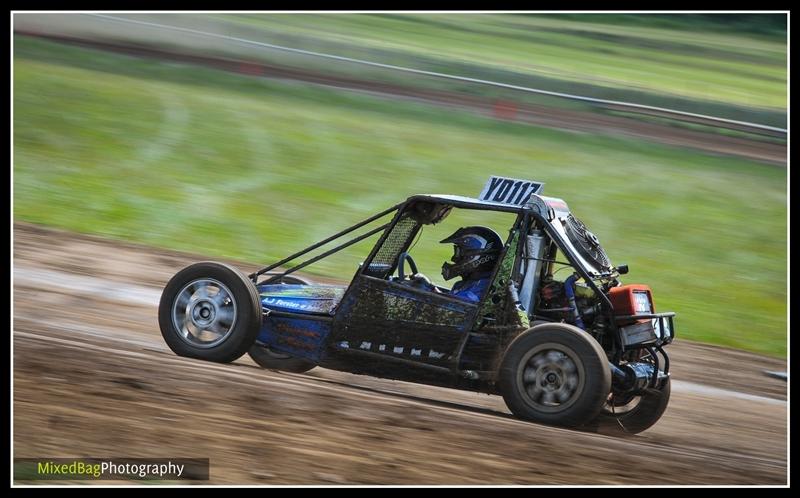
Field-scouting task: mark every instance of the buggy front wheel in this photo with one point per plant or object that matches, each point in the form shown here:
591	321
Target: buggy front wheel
210	311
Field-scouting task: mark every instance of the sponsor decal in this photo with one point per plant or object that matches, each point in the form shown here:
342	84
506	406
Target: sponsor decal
483	259
509	190
295	305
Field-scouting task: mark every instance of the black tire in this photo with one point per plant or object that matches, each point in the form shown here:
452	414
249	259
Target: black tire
273	360
640	414
233	307
551	361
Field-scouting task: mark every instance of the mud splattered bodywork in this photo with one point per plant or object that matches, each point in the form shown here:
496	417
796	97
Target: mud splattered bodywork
298	317
397	321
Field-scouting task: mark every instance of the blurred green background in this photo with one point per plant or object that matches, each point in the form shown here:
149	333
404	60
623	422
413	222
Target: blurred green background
697	64
180	156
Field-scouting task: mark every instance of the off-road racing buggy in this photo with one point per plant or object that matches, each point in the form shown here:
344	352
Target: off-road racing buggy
586	351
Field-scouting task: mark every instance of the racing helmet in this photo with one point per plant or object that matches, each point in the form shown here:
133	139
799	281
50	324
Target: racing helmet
476	249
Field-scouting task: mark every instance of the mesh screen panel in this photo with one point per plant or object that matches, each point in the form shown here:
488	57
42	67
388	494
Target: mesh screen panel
385	259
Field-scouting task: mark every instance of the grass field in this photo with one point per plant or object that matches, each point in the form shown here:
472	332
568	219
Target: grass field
189	158
766	26
743	70
733	74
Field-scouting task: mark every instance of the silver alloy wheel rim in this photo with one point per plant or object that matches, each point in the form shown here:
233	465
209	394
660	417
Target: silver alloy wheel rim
551	377
204	313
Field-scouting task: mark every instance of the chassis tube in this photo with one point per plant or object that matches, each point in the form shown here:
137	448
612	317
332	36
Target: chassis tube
310	248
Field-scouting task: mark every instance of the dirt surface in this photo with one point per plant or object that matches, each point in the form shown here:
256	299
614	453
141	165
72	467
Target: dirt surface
574	120
93	377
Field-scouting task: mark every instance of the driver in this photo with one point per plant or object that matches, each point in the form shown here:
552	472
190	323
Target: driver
475	253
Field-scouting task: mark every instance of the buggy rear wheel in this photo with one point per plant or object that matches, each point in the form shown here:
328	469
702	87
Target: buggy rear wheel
634	415
210	311
273	360
555	374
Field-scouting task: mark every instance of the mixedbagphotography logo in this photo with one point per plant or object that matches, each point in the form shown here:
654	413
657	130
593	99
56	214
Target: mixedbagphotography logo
140	469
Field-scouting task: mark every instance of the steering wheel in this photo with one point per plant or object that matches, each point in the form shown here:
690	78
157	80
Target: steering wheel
401	265
416	278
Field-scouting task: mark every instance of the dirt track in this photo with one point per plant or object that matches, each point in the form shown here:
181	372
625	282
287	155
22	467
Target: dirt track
92	377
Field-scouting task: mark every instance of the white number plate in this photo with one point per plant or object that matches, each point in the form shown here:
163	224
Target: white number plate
509	190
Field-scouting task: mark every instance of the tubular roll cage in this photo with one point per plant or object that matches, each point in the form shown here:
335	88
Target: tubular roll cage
267	270
526	214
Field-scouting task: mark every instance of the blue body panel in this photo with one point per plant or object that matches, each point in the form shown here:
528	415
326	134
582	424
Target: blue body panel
303	334
302	337
308	299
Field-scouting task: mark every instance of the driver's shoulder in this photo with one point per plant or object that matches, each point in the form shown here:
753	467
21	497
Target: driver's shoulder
478	279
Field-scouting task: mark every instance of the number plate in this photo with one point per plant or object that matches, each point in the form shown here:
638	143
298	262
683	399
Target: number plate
639	333
509	190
